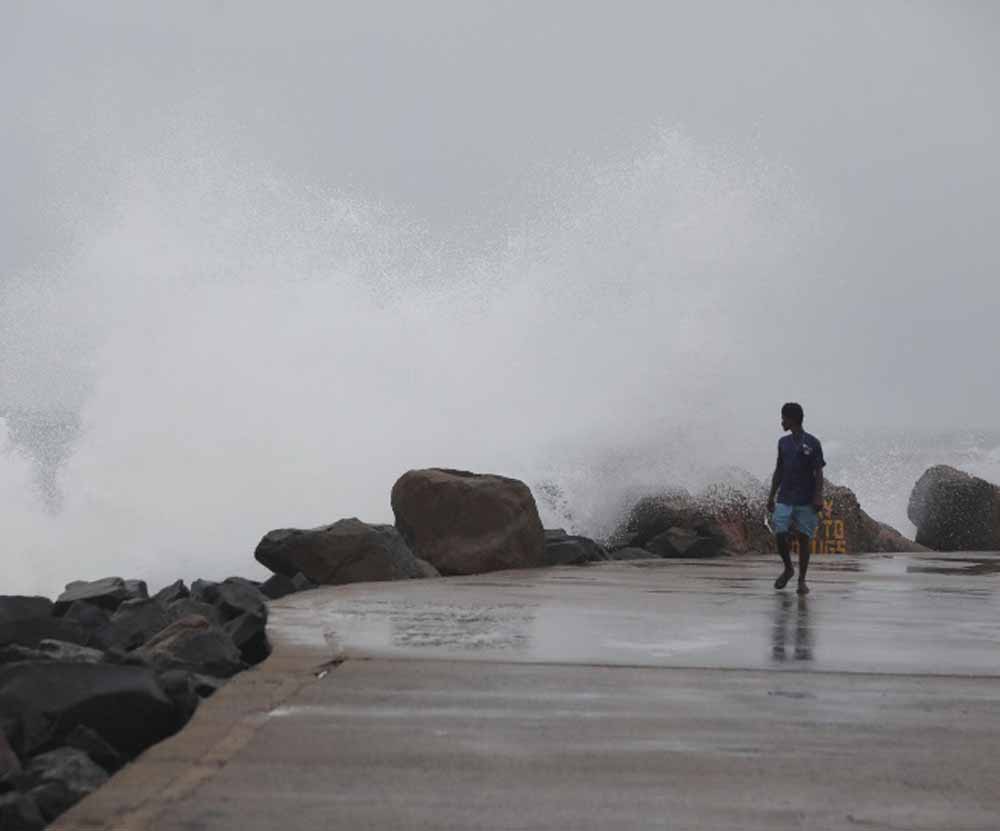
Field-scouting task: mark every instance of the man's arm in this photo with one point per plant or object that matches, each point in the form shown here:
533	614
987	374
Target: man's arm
775	483
818	492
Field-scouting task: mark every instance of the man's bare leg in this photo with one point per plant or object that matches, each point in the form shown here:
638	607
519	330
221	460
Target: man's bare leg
789	572
804	542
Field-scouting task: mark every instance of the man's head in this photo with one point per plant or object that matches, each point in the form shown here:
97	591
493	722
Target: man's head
792	416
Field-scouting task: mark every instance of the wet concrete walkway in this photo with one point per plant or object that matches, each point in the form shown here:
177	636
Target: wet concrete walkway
681	695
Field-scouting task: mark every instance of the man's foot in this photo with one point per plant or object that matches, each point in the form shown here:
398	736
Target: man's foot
803	588
786	575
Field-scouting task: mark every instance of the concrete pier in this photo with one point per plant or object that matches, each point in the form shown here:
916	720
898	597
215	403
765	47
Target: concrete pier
652	694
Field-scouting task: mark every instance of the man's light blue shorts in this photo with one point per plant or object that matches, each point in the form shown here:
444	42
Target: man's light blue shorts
805	517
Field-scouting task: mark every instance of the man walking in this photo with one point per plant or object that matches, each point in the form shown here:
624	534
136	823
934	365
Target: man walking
798	485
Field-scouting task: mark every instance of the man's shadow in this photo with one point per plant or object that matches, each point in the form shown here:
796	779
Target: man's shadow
791	611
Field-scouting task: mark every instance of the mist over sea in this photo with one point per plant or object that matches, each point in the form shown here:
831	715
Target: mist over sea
256	265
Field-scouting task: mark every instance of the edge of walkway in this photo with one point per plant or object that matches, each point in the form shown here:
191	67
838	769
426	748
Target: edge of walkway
168	772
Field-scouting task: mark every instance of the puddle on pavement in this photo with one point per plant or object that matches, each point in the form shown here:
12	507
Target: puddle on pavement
975	567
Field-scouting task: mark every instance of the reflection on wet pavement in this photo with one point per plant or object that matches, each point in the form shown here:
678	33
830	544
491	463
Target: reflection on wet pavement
883	614
791	611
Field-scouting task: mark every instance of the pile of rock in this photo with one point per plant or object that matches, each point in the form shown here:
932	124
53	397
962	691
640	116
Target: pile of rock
728	519
89	681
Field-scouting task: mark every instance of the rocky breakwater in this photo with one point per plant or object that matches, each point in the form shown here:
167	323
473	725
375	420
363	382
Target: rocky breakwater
728	518
954	511
89	681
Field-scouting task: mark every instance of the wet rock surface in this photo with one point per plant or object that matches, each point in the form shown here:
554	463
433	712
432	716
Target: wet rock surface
954	511
193	643
90	681
563	549
347	551
468	523
15	608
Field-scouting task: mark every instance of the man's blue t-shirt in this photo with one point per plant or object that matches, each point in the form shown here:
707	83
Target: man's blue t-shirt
800	458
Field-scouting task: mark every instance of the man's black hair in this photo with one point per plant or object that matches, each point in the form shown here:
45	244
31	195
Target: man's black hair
793	411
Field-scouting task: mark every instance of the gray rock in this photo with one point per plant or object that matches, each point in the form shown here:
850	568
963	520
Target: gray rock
427	571
954	511
16	607
348	551
108	593
189	606
168	594
61	778
51	650
93	744
32	632
18	812
135	622
10	765
193	643
562	549
278	586
248	633
303	583
95	621
137	589
205	591
630	553
683	543
238	596
125	704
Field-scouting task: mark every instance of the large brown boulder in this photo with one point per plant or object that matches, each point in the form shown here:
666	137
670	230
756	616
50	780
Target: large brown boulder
468	523
348	551
844	528
954	511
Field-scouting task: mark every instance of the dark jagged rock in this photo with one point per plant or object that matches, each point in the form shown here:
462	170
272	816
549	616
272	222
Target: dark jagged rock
193	643
168	594
61	778
93	744
427	571
93	620
51	650
468	523
10	765
562	549
179	685
248	633
15	608
303	583
954	511
108	593
278	586
629	553
125	704
205	591
684	543
32	632
238	596
18	812
135	622
189	606
348	551
137	589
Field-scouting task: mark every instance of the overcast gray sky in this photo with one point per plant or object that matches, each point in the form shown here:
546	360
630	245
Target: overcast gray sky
883	114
